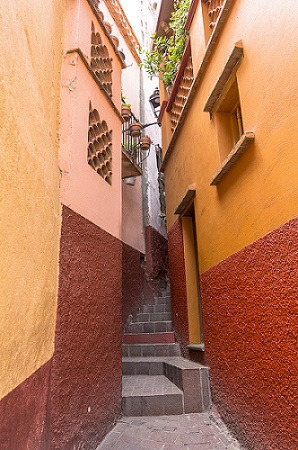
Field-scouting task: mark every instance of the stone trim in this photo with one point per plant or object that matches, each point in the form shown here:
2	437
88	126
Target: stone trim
233	156
185	202
230	66
99	84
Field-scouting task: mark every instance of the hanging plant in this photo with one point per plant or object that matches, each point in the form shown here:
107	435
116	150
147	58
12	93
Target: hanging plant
126	111
145	143
135	129
164	58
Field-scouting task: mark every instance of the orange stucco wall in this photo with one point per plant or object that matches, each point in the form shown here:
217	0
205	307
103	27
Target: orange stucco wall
31	53
260	191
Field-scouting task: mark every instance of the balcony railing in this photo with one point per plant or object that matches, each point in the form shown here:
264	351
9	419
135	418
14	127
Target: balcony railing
131	152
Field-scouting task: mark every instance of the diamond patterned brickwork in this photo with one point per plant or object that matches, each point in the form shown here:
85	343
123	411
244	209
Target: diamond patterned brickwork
214	10
101	63
182	94
100	146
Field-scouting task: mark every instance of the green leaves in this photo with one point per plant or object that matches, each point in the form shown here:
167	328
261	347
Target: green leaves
164	58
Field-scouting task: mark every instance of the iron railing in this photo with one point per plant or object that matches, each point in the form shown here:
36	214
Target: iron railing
130	144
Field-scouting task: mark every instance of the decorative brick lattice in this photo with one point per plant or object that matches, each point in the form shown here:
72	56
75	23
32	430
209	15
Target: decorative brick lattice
182	94
100	146
101	63
214	10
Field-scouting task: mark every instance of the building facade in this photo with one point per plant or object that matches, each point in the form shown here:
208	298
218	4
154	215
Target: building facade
30	72
229	139
73	236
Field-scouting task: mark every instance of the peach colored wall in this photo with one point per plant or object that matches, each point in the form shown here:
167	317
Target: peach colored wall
260	192
132	219
31	54
82	189
78	35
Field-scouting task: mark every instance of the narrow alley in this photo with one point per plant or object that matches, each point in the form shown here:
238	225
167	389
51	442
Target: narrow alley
149	225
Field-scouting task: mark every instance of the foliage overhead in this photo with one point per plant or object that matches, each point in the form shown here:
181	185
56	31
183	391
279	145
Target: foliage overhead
164	58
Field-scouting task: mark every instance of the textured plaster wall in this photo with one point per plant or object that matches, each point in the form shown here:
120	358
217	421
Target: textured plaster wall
260	191
133	282
156	258
31	53
250	322
24	414
86	369
143	280
178	284
132	218
82	189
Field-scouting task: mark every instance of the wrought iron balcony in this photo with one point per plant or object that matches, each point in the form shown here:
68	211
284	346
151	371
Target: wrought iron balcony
131	151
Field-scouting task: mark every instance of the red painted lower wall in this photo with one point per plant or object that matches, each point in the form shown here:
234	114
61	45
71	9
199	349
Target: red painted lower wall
133	282
24	414
87	365
142	281
250	313
178	285
157	267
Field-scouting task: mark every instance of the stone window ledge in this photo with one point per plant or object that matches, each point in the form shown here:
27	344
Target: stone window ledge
233	156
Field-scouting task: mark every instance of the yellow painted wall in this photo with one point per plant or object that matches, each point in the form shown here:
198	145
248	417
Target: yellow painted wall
191	274
30	42
260	192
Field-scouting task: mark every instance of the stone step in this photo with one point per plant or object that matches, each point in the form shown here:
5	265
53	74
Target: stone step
157	308
136	350
190	377
144	395
143	366
165	300
152	317
193	379
149	338
150	327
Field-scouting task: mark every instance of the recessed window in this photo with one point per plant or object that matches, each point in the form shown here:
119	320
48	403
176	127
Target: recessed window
223	105
228	118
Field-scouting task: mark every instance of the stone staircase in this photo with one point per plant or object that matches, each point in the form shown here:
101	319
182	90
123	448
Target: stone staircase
156	379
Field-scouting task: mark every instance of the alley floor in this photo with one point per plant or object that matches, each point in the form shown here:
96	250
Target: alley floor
181	432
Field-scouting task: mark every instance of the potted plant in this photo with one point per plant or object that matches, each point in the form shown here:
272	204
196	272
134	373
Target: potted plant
135	129
145	143
126	111
164	58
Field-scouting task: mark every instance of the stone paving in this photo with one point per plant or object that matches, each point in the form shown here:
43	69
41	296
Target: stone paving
182	432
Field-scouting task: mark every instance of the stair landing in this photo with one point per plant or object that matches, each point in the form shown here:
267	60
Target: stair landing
145	395
156	379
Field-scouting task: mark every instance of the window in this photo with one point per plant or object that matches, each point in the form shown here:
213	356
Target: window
228	118
223	104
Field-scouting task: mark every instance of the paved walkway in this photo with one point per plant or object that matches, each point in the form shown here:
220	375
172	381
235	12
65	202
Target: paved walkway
181	432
